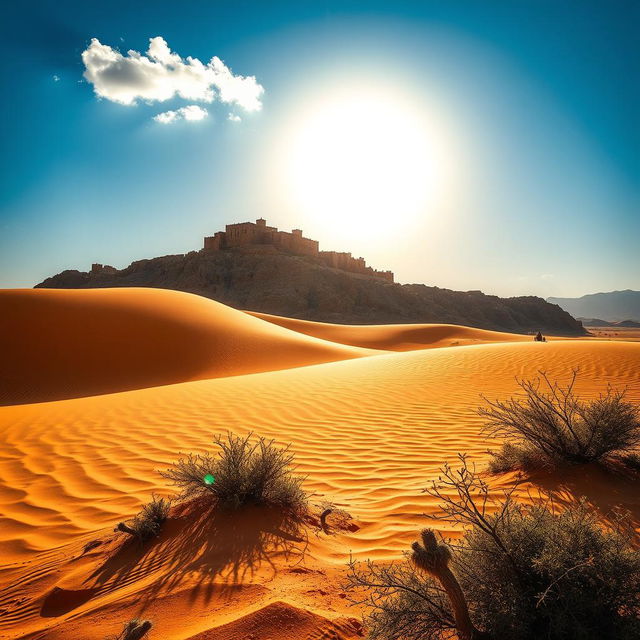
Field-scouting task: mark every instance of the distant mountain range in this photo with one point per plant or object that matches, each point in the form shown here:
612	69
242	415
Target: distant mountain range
597	322
274	281
615	306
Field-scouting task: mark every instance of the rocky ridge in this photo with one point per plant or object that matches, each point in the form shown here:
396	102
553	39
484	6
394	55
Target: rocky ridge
265	279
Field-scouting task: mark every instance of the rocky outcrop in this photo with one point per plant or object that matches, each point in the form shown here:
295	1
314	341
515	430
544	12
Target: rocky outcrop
271	281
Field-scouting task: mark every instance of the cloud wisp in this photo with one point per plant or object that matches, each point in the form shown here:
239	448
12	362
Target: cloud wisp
191	113
162	74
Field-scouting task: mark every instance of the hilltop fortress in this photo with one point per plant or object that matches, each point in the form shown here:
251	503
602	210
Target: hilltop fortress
247	234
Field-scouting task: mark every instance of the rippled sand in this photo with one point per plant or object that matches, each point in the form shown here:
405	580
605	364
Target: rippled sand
369	431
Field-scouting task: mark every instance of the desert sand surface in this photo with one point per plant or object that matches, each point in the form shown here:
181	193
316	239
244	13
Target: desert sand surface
616	333
67	343
368	431
393	337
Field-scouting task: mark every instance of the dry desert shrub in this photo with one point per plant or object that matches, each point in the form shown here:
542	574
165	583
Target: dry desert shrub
525	572
551	426
243	471
133	630
148	523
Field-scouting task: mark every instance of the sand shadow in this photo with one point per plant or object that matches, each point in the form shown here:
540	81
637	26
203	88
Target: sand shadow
61	601
214	549
606	489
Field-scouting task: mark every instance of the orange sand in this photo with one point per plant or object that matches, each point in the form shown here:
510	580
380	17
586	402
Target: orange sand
68	343
393	337
369	432
616	333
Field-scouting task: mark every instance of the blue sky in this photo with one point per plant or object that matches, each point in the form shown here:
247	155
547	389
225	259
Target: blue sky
529	110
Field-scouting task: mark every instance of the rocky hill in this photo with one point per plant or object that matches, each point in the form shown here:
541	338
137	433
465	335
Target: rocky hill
272	281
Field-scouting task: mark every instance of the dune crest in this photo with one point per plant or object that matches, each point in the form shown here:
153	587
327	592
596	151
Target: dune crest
393	337
59	344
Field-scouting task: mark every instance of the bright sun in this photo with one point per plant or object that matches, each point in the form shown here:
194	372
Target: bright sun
363	159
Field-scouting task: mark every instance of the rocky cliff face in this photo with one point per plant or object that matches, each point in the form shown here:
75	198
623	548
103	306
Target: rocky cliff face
270	281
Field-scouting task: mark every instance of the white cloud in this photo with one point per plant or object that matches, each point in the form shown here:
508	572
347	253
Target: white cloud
166	117
240	90
234	117
192	113
162	74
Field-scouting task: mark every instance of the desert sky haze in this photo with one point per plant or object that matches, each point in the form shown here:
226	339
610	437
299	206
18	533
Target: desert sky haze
495	143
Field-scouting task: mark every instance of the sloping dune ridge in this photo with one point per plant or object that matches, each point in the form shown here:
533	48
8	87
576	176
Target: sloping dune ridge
393	337
61	343
368	432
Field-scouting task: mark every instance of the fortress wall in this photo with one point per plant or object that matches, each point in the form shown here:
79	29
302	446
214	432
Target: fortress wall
216	241
329	258
305	246
283	239
244	234
385	275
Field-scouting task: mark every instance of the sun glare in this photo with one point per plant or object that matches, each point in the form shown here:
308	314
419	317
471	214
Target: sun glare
361	159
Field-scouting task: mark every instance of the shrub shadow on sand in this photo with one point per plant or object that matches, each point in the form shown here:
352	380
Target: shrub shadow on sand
606	489
213	549
60	601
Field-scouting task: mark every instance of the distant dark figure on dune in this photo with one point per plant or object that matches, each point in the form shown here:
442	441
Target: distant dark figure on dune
539	337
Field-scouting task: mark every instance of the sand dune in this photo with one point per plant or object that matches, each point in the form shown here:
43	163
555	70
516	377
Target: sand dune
281	621
68	343
393	337
370	433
